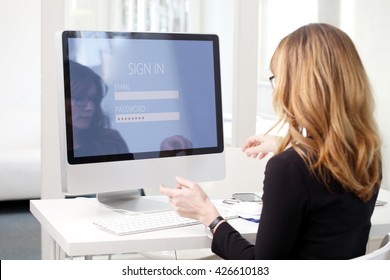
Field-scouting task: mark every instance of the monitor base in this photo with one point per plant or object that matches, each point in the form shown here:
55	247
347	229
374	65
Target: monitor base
132	201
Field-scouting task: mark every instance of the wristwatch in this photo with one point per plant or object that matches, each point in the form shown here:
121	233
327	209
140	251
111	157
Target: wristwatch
209	229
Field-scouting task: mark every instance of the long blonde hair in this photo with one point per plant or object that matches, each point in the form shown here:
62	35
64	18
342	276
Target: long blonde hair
323	94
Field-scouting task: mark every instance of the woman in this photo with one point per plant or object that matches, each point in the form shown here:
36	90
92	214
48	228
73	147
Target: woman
321	185
90	127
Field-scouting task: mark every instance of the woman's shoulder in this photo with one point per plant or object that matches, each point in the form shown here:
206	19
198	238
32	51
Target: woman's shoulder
288	159
289	155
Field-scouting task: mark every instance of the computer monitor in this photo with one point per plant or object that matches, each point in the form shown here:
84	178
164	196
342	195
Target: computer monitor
138	109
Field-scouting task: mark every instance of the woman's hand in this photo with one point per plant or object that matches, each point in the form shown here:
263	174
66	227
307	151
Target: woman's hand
259	146
189	200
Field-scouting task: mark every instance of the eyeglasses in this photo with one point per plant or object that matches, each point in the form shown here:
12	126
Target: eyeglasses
272	81
82	101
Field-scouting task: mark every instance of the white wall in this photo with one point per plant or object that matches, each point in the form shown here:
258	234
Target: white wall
20	54
20	73
220	21
370	30
235	21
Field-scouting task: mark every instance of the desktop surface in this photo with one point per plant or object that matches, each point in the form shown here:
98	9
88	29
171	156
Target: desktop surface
69	222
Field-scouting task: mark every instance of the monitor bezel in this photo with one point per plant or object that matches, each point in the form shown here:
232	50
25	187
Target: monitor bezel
219	148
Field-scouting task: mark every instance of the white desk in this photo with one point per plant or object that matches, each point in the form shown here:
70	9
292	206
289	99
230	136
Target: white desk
69	222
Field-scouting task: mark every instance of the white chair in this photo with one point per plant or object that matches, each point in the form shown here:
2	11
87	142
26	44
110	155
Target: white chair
383	253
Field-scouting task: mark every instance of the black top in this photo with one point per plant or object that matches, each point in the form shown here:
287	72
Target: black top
104	141
301	218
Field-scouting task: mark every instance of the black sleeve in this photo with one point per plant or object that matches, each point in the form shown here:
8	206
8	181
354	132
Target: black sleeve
229	244
284	200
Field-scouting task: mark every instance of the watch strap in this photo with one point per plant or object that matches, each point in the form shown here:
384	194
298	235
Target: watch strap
215	222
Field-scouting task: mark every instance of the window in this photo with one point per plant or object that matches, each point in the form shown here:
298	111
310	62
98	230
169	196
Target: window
156	15
277	19
130	15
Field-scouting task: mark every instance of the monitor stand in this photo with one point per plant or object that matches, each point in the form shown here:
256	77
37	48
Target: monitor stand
132	201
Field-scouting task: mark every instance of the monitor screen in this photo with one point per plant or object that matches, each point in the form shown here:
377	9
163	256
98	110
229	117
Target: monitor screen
137	102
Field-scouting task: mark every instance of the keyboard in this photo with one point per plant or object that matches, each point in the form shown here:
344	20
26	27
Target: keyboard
139	223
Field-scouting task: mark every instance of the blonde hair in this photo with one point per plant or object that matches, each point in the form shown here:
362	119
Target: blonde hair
323	94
